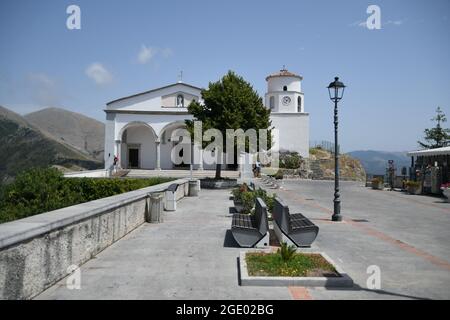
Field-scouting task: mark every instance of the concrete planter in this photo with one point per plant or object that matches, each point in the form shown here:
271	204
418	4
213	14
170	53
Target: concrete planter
246	280
446	193
414	190
238	206
218	184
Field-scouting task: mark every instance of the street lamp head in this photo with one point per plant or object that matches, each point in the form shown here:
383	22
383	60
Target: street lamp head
336	89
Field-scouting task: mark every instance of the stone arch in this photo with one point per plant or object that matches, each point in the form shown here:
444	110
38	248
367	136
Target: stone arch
166	144
138	147
135	124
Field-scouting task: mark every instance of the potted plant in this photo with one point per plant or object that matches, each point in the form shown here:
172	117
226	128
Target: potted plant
446	191
377	183
413	187
237	193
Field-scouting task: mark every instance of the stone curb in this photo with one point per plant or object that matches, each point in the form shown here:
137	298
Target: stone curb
247	280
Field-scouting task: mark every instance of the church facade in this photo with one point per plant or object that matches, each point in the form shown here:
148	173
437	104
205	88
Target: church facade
139	127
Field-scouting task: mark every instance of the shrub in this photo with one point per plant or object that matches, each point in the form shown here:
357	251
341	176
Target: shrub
279	175
286	252
241	194
238	191
376	181
412	184
40	190
248	202
290	160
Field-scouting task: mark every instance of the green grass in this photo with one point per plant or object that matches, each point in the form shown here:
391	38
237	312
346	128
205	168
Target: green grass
300	265
40	190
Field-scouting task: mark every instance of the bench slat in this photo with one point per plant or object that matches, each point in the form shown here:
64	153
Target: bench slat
243	221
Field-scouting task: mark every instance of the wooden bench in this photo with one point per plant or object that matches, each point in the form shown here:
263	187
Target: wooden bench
252	230
294	229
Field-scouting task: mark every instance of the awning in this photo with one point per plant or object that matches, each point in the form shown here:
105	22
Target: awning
430	152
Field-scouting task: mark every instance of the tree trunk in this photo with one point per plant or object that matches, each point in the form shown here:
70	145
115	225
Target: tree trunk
218	170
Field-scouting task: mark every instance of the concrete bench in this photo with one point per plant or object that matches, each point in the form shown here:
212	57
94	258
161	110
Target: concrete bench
294	229
252	231
171	197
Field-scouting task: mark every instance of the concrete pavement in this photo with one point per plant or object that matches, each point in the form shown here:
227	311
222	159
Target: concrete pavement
191	255
406	236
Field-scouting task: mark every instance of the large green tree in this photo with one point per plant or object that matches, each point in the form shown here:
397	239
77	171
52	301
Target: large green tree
438	136
230	103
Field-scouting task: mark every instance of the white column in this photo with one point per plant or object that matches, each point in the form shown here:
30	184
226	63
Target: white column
119	153
158	155
200	162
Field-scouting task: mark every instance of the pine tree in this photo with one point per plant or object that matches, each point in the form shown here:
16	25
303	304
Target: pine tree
230	103
436	137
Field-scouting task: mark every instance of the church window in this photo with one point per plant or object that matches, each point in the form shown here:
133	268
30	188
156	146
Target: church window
272	102
299	104
180	101
285	88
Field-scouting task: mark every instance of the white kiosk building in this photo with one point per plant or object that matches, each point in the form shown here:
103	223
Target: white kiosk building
139	127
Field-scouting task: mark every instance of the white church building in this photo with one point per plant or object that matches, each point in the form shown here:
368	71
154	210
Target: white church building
139	127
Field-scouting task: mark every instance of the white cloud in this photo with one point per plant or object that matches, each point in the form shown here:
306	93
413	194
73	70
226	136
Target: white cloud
148	53
97	72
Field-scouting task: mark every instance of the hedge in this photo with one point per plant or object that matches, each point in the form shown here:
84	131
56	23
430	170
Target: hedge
40	190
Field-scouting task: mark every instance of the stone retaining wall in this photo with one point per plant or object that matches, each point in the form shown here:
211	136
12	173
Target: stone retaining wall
38	251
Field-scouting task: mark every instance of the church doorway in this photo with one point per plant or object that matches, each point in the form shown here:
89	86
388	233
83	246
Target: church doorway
133	158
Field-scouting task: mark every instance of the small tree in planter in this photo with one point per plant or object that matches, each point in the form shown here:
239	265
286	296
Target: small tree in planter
413	187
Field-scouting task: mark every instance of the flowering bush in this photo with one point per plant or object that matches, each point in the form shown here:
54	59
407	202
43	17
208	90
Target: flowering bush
445	186
413	184
242	195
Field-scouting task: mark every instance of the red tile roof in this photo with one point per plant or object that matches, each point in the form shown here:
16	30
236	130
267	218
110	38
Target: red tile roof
283	73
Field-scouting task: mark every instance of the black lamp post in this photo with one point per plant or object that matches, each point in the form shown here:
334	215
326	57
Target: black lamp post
336	91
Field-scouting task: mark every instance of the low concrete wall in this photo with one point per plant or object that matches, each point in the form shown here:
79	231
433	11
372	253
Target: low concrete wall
101	173
38	251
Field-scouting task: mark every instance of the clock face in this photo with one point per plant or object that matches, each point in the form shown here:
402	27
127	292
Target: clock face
286	100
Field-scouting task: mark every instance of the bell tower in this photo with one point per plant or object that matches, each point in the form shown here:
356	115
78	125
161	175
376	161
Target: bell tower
284	92
285	100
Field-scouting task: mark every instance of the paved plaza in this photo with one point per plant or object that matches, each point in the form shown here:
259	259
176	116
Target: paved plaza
191	255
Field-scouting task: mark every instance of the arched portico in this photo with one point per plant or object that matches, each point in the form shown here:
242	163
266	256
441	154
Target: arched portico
137	146
140	147
168	146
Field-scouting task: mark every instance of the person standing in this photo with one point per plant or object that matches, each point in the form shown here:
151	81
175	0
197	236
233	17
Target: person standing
258	168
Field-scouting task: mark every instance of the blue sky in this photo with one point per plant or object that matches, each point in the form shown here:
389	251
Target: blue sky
396	76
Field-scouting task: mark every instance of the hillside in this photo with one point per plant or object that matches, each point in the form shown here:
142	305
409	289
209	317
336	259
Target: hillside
22	146
85	134
376	162
321	163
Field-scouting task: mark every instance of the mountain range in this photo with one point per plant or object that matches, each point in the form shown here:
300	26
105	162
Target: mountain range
83	133
23	144
376	162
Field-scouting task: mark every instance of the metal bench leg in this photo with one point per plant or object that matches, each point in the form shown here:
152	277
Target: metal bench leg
281	236
264	242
